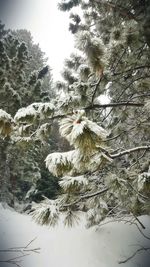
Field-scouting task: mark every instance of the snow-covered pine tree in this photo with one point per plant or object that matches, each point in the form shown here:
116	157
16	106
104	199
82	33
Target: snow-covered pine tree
105	172
22	82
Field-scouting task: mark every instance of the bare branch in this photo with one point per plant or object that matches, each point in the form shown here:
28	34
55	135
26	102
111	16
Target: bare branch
31	242
142	225
25	251
134	254
129	221
14	261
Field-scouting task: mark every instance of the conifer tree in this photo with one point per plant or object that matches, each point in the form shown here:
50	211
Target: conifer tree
21	83
105	170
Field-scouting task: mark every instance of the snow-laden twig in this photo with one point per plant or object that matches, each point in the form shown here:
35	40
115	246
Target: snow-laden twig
14	261
25	251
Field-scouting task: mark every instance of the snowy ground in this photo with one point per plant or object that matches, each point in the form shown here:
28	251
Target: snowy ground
75	247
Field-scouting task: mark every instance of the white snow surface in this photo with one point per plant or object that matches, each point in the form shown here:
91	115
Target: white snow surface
72	247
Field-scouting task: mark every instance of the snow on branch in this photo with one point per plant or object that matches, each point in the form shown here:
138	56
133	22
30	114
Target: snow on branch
5	123
87	137
60	163
33	111
103	106
67	182
84	134
129	151
27	114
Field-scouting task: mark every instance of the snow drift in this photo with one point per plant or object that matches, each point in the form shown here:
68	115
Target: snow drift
72	247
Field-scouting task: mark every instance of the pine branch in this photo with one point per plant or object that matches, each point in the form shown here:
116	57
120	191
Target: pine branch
132	69
141	95
86	197
132	104
115	64
137	160
124	90
114	105
124	12
130	84
129	151
136	191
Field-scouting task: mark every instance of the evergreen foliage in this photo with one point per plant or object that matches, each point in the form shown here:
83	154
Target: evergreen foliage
22	82
105	169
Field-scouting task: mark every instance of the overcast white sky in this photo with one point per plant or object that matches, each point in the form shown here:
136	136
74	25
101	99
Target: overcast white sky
48	26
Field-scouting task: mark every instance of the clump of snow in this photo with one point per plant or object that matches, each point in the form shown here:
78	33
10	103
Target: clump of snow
73	247
5	123
31	112
68	101
4	116
45	109
59	163
25	114
68	181
78	125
